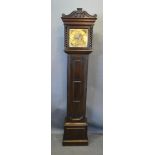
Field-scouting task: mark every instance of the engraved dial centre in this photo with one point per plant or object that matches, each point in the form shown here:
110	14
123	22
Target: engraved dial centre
78	37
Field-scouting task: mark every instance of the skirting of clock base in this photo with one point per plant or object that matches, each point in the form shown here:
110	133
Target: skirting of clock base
75	134
75	143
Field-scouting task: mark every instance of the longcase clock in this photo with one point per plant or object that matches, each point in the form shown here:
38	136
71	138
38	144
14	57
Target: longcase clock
78	28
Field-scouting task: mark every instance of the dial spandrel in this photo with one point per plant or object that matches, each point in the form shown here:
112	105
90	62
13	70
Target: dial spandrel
78	37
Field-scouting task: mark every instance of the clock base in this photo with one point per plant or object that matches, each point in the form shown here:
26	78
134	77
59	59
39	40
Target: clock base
75	133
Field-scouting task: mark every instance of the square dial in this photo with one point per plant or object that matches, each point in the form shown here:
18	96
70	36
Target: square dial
78	37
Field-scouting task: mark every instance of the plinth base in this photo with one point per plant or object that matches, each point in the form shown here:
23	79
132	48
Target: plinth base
75	133
75	142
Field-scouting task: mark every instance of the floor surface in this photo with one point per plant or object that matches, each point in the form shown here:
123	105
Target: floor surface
95	146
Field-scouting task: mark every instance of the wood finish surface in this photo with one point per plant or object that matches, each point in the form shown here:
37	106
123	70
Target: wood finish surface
75	126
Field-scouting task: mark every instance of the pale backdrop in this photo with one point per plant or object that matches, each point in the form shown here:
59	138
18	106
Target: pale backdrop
59	65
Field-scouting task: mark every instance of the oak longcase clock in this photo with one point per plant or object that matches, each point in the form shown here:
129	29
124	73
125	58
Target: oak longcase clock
78	28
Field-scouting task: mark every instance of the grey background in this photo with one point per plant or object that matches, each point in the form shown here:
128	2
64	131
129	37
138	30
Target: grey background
59	65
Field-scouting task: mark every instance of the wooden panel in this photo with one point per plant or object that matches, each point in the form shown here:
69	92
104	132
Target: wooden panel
76	91
75	133
77	81
76	68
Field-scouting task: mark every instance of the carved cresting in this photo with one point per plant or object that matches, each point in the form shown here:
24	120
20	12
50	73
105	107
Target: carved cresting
79	13
75	126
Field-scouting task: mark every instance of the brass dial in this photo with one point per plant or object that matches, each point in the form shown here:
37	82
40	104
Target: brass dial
78	37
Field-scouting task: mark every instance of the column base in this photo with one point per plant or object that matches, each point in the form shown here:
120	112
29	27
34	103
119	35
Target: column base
75	133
